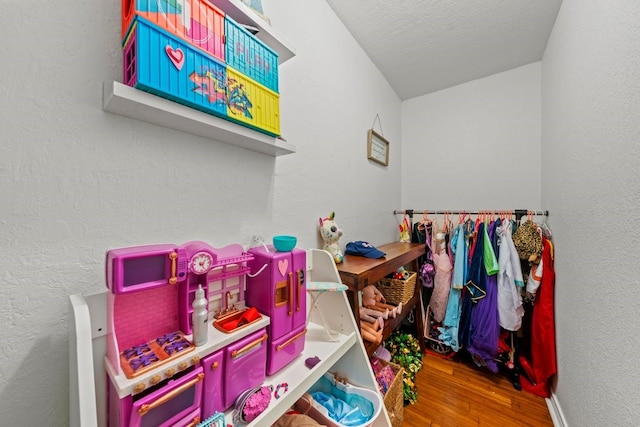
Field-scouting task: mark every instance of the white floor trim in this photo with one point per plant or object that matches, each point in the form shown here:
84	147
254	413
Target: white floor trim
555	411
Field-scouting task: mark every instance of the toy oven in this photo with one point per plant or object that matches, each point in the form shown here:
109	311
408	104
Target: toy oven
143	267
172	402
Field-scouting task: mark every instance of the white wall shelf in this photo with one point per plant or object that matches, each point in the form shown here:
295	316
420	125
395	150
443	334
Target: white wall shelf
137	104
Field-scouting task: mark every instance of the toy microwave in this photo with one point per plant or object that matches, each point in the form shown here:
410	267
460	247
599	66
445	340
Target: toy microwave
138	268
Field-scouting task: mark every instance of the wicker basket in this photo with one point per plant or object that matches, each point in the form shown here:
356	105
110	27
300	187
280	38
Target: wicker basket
393	398
397	291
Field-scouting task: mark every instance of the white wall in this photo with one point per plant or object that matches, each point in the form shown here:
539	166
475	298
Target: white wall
76	181
590	174
474	146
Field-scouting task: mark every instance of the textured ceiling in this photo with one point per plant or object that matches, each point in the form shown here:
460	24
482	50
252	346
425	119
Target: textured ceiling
422	46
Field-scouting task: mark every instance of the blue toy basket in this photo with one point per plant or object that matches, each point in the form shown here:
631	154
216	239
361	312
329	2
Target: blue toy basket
366	404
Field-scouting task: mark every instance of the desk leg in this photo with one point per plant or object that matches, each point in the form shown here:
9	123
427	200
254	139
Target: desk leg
419	308
355	306
420	318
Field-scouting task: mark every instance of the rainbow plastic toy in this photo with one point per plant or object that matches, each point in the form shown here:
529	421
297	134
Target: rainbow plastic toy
197	22
250	56
158	62
252	104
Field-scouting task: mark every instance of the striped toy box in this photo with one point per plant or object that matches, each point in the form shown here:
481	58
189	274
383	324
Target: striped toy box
250	56
195	21
158	62
252	104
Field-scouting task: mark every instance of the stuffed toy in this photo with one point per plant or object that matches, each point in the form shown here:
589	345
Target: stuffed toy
373	299
331	233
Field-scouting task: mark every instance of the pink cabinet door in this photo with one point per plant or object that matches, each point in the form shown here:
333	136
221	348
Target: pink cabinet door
282	351
244	365
169	404
213	388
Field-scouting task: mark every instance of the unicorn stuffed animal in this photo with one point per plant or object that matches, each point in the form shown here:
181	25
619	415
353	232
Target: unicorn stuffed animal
331	233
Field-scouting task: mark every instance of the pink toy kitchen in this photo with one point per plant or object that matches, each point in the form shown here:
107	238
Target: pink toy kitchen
196	335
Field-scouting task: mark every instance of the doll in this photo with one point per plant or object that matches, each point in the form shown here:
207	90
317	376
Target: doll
375	319
368	333
373	299
371	312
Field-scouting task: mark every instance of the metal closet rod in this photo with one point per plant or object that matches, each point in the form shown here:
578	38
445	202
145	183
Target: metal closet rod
519	213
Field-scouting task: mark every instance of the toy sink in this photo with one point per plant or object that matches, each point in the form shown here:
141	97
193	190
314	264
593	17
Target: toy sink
237	319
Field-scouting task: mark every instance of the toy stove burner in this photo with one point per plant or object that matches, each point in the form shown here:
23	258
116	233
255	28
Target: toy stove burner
169	338
141	358
176	346
143	361
136	351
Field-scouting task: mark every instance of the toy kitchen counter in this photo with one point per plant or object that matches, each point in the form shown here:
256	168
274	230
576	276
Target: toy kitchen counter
183	358
177	330
205	379
357	272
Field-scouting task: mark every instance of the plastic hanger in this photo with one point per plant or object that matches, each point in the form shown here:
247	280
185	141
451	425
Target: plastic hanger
461	217
545	228
425	221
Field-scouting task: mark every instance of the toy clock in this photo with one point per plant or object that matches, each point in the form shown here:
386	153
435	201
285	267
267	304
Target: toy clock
201	257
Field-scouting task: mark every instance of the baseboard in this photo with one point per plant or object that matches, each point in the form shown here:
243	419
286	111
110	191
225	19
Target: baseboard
555	411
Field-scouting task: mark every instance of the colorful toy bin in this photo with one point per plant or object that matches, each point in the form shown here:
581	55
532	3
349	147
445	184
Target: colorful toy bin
195	21
157	62
250	56
251	104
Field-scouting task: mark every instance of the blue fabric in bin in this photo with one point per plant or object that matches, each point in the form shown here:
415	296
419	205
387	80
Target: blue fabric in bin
339	410
349	409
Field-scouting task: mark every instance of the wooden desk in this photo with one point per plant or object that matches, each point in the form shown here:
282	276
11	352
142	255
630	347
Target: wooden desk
358	272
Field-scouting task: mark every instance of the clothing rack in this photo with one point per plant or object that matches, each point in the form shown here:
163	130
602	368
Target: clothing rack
518	213
514	355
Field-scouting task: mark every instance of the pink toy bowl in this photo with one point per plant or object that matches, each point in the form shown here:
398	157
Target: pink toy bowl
284	243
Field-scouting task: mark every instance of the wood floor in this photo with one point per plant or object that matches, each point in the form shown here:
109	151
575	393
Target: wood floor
457	393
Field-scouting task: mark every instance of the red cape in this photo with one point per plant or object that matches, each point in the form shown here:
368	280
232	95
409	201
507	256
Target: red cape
540	367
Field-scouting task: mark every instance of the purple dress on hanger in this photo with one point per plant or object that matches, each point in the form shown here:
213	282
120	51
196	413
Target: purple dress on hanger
474	289
485	325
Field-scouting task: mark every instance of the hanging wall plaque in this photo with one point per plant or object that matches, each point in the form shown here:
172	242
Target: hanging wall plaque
377	148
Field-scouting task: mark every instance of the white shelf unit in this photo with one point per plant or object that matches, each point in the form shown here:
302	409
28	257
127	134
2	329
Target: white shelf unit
130	102
346	355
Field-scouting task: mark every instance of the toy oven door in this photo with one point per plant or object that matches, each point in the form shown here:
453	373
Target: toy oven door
171	404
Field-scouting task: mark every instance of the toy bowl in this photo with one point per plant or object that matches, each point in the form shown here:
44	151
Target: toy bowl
284	243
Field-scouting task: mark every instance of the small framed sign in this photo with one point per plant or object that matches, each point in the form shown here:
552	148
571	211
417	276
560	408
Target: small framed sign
377	148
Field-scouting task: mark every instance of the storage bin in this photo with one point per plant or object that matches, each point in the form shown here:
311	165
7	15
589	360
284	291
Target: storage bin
397	291
252	104
393	398
250	56
196	21
158	62
367	401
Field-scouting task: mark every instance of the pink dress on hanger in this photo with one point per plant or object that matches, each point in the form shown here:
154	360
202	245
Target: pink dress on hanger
441	282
